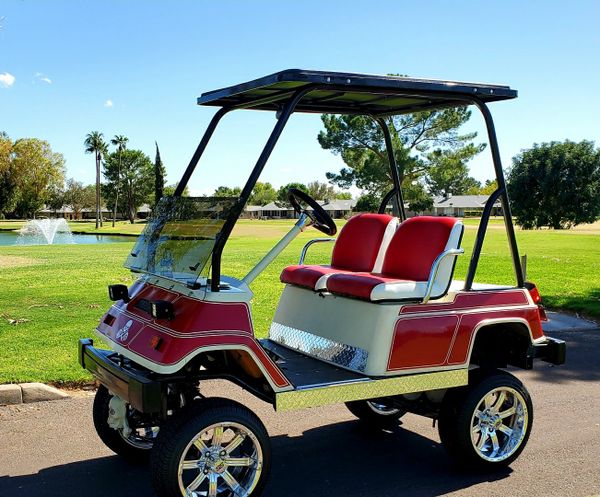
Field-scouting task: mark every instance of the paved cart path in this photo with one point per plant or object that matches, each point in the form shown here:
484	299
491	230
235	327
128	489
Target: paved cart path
50	449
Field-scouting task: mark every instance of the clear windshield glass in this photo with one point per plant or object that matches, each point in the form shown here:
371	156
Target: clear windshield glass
180	236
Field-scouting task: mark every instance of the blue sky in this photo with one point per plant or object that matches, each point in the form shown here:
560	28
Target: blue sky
136	68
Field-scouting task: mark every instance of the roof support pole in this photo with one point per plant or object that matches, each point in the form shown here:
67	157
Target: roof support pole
199	151
503	194
393	166
282	120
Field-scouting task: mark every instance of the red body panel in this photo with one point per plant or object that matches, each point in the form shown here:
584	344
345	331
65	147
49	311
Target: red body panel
197	324
422	341
443	334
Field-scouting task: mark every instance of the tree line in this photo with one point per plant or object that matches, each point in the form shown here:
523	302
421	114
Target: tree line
131	178
554	184
31	175
265	193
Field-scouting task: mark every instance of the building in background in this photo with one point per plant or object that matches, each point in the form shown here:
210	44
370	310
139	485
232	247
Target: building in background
463	206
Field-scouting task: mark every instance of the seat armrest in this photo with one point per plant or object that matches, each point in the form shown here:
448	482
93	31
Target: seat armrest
309	243
434	270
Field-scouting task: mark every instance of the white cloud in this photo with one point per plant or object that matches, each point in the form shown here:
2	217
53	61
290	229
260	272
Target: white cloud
6	79
108	103
42	77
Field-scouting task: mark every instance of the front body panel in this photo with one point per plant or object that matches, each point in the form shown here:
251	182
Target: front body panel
165	346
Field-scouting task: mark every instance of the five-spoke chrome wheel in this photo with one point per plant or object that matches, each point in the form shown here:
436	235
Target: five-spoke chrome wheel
225	458
214	448
499	424
488	423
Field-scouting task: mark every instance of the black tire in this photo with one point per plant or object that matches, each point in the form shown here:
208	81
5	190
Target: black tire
112	438
178	433
374	416
456	420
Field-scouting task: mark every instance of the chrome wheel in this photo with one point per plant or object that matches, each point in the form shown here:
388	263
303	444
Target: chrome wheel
225	459
141	438
382	409
499	424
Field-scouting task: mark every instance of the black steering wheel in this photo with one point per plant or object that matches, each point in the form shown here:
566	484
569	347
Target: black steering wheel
319	217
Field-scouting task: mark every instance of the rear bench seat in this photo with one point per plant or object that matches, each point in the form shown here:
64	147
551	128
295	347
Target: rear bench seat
360	247
407	264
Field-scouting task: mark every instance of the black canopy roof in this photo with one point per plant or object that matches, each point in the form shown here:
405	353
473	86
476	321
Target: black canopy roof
347	93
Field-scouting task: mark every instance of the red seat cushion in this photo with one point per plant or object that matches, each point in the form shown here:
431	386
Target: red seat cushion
306	276
358	243
406	266
359	285
415	246
356	249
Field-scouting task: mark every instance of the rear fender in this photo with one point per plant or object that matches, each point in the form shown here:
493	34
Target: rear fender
499	343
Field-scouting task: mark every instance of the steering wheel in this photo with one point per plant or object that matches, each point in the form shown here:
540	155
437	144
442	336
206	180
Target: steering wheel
319	217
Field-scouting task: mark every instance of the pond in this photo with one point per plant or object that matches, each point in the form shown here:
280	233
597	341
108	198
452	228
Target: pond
10	238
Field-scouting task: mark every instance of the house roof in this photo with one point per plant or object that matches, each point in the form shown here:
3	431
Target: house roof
350	93
462	202
331	205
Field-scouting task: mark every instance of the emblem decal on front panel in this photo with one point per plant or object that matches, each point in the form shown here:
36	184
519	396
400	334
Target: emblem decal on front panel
123	332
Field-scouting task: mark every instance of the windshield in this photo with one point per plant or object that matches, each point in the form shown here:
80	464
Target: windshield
179	238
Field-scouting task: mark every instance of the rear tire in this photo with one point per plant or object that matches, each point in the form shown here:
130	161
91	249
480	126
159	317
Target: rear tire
214	447
487	425
374	414
135	449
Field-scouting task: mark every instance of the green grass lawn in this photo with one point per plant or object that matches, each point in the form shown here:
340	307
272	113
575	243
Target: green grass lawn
52	295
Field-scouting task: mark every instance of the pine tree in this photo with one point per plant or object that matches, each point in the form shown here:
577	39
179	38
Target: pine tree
159	177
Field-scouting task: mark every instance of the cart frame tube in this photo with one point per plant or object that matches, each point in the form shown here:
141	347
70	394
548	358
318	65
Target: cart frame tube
393	166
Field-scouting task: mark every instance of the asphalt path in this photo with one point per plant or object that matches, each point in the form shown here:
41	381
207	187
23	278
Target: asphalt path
50	449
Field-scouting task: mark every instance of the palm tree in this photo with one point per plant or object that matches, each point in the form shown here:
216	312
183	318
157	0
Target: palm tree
119	141
94	143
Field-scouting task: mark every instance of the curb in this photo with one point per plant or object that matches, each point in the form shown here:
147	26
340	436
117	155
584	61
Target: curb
26	393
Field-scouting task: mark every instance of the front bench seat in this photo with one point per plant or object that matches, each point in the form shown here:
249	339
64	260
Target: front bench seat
360	246
407	264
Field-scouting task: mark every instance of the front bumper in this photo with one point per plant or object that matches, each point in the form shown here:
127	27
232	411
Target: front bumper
136	387
551	350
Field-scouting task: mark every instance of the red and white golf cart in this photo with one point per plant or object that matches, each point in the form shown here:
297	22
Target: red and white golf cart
383	328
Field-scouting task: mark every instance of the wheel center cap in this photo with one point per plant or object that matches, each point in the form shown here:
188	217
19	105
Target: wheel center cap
219	466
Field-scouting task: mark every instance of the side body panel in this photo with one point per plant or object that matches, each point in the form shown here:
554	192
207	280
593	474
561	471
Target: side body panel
449	328
384	339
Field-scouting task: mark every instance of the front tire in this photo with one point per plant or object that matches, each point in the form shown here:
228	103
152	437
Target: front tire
218	447
374	414
136	446
487	425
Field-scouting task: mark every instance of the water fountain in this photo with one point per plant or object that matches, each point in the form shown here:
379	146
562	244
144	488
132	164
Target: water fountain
45	232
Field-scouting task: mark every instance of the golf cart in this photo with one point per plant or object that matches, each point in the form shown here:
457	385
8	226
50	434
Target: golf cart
383	328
